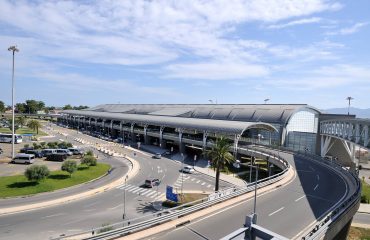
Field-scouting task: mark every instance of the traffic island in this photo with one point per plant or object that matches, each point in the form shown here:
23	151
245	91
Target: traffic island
16	186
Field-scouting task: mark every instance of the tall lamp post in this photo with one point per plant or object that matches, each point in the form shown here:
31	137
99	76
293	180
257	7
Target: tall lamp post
13	49
349	102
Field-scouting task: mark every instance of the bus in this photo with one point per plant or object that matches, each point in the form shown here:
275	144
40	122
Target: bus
7	138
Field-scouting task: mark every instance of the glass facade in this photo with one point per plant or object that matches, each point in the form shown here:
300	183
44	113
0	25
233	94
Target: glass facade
301	131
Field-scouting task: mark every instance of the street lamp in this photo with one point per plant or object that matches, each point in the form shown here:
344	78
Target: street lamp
13	49
124	199
349	102
266	100
182	173
255	191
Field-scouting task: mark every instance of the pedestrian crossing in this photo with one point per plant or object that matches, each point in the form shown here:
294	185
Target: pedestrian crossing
187	178
145	192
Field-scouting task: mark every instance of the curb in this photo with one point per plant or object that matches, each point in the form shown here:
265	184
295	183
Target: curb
131	173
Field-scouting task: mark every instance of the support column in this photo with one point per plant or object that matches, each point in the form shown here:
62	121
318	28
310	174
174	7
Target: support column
181	144
111	128
146	135
357	133
133	136
366	136
161	141
236	141
205	135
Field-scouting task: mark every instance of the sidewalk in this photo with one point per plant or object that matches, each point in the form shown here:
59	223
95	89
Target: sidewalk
364	208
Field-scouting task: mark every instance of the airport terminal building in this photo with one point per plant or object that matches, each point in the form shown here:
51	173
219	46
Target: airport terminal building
294	126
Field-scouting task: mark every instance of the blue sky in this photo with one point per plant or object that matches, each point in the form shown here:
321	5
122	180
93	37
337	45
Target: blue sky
95	52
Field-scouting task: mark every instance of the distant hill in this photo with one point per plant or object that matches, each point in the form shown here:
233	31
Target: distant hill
360	113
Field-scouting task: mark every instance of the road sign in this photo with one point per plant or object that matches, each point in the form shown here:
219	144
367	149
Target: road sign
170	195
221	193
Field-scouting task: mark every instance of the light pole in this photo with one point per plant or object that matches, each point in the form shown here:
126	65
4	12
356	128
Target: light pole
124	199
182	173
13	49
266	100
349	102
255	191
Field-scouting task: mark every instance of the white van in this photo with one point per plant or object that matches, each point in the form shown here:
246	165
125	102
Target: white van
64	151
24	158
48	152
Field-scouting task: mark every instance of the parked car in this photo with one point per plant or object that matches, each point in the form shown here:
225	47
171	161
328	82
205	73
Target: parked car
58	157
37	153
76	151
48	152
24	150
187	169
24	158
64	151
152	182
157	156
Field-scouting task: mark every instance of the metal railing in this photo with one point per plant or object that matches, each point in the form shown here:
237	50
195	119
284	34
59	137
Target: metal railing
133	225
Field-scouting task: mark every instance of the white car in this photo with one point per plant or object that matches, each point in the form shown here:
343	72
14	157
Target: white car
187	169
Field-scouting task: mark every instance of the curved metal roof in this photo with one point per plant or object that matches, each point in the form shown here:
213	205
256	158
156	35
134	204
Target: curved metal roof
233	127
271	113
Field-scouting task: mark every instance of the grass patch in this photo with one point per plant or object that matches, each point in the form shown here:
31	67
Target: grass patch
184	198
359	234
12	186
365	190
24	130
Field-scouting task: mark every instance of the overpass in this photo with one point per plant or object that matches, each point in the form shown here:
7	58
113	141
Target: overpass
340	137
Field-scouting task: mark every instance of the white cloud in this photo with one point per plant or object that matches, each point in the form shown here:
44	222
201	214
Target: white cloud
350	30
216	71
295	23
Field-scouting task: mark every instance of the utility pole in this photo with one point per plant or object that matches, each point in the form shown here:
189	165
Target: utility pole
13	49
349	102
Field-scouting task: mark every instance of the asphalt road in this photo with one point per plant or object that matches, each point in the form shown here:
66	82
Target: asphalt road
107	207
287	211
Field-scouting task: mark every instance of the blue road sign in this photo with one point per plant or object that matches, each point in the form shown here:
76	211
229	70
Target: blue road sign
170	195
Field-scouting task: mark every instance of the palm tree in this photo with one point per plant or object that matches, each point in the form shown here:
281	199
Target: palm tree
220	156
34	125
21	121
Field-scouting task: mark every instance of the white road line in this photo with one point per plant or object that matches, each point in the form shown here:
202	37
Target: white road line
203	183
151	193
125	187
209	185
131	188
145	191
120	205
198	181
74	230
90	210
299	198
317	185
54	215
276	211
193	179
92	204
136	190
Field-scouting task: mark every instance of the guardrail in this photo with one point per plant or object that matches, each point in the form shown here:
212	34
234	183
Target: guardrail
338	209
133	225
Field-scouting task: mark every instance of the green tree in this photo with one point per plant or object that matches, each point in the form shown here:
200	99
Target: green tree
89	153
69	166
89	160
36	172
34	125
67	107
2	107
220	156
21	121
20	107
16	126
43	145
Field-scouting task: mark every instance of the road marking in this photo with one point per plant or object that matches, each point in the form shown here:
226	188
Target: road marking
120	205
91	204
193	179
299	198
198	181
54	215
317	185
276	211
74	230
318	177
136	190
90	210
203	183
209	185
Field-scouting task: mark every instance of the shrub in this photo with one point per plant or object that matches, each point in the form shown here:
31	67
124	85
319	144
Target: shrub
36	146
69	145
364	199
69	166
89	160
36	172
43	145
26	145
62	145
105	228
89	153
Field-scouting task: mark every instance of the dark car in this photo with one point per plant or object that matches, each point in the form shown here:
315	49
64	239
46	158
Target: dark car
152	182
24	150
59	157
37	153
